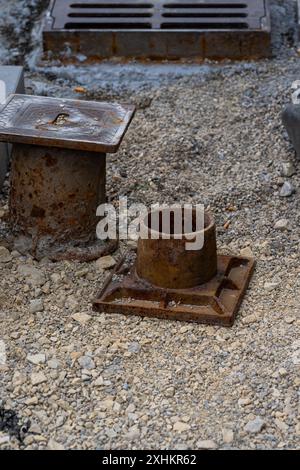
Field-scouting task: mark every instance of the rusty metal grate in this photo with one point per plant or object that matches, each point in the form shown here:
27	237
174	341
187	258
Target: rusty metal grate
159	29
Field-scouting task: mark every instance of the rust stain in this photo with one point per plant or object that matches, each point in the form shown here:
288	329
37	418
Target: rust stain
50	160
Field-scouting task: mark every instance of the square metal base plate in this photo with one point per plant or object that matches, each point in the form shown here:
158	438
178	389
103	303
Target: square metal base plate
53	122
215	302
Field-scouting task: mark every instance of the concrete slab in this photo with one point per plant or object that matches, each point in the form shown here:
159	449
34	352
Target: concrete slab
11	81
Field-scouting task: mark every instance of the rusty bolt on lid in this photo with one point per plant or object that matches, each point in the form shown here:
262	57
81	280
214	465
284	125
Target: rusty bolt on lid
167	281
59	170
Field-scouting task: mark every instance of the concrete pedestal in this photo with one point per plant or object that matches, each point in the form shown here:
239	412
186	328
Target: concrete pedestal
11	81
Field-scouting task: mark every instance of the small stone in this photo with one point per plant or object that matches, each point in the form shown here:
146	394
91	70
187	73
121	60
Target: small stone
36	305
98	382
247	252
38	378
28	440
106	404
36	358
250	319
35	428
53	364
75	355
134	347
244	401
281	225
4	438
55	278
85	377
282	372
32	275
81	317
71	302
296	358
281	425
133	417
130	408
82	272
105	262
32	401
289	320
110	433
169	392
184	329
53	445
228	436
5	255
206	445
254	426
18	379
287	169
60	421
46	288
116	407
269	286
86	362
179	426
133	433
287	189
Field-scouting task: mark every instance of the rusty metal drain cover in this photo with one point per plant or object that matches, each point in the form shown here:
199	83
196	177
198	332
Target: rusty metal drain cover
160	29
71	124
215	302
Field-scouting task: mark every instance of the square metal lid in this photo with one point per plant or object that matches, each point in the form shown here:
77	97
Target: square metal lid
74	124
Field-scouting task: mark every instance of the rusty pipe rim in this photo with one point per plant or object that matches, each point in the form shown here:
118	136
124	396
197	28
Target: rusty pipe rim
209	224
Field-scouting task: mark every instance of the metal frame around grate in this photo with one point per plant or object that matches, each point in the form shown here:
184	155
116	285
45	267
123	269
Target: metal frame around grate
159	29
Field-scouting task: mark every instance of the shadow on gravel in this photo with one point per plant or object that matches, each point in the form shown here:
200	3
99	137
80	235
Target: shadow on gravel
10	423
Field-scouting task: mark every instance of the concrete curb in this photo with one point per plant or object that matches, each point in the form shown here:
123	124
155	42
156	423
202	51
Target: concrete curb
13	78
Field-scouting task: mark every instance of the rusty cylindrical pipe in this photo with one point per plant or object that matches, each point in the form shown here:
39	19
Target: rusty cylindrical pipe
55	193
166	263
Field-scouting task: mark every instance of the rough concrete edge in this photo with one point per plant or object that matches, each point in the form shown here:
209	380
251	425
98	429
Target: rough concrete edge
5	149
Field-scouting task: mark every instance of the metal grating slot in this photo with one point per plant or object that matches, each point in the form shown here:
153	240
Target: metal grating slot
108	25
111	5
159	29
205	16
106	15
211	5
195	25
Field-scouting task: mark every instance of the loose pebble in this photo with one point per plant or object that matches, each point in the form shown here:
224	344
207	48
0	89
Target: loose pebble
287	189
254	426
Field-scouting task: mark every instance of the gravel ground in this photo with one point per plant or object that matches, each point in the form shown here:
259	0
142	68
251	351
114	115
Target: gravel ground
207	134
